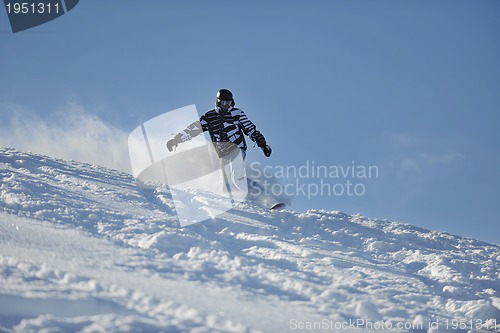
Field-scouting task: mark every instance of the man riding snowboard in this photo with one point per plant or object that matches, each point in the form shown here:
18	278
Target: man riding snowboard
226	126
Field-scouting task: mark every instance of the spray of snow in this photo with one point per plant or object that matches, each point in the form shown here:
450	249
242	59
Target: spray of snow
72	133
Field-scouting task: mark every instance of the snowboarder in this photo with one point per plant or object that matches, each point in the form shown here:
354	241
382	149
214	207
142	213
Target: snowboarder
226	126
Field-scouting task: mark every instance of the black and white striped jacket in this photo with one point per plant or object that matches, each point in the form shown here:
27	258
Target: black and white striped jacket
224	127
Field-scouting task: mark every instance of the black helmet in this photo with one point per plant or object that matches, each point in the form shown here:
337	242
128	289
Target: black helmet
224	95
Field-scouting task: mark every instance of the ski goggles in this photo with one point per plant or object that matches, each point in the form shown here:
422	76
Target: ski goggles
225	102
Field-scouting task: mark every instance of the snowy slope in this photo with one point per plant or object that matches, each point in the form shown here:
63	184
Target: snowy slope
84	249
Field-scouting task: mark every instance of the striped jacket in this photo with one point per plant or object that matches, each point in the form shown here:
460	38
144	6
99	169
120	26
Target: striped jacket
226	129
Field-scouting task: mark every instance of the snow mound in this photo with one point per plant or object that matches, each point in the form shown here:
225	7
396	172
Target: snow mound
82	248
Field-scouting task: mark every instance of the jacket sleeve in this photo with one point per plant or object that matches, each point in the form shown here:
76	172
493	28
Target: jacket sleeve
247	126
194	129
250	129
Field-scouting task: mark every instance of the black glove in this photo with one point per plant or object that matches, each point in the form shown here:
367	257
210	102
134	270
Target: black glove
261	143
267	150
259	139
172	143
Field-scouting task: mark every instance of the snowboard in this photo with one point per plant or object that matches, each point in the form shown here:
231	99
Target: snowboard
278	206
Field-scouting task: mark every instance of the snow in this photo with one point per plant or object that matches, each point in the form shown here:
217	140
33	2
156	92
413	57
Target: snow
83	249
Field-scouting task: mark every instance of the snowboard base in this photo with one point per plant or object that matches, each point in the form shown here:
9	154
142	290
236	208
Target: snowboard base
278	206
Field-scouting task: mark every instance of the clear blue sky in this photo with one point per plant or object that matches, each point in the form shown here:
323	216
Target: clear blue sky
411	87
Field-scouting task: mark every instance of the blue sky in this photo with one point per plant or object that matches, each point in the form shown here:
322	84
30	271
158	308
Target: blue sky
410	87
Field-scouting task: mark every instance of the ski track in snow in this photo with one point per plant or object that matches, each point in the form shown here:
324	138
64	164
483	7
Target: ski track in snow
82	248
